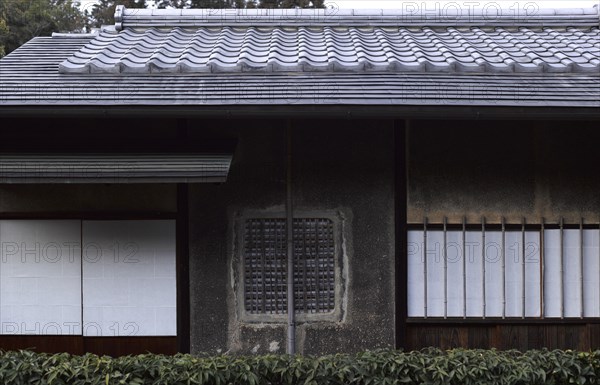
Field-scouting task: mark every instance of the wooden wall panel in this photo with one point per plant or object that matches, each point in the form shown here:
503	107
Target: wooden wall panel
594	332
421	336
480	337
520	336
46	344
122	346
112	346
512	337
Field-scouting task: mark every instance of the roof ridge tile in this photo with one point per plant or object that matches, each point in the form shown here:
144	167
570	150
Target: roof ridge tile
409	14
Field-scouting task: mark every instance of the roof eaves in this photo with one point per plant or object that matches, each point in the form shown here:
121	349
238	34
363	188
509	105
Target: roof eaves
311	111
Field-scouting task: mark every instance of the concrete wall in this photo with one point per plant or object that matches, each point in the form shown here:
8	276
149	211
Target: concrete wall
513	169
344	169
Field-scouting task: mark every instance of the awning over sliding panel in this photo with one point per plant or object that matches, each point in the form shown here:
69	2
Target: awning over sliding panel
114	168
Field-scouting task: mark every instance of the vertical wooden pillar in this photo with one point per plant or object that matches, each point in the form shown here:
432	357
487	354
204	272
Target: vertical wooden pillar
401	129
183	248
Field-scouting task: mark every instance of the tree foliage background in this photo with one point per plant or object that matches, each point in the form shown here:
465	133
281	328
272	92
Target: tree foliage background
22	20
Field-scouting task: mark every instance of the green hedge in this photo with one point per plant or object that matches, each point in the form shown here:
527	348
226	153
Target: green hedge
430	366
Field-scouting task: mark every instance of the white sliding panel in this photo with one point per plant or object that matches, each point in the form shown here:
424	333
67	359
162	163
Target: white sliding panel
474	273
522	260
129	283
416	289
552	274
454	257
591	273
533	273
572	273
435	273
514	273
493	273
40	277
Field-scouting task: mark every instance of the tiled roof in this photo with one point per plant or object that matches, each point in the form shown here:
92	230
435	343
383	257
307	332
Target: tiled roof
335	40
38	83
226	49
192	60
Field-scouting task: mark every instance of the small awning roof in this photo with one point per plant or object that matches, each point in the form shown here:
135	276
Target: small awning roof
114	168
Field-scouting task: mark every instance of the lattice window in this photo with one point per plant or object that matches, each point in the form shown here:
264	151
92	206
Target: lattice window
265	265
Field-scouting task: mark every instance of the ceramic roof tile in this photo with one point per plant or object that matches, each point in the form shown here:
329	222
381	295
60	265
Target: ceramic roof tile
350	49
201	41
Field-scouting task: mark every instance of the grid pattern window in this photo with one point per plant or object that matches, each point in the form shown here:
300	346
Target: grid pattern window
503	271
265	265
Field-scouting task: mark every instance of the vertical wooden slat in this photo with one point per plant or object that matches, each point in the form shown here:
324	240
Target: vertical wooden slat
542	270
523	291
581	292
183	268
503	268
464	267
400	132
445	256
483	263
425	267
562	281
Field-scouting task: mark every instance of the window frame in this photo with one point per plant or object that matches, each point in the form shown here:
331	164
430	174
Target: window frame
340	262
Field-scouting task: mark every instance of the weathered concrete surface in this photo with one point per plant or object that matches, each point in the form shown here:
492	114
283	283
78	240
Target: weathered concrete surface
255	181
345	170
513	169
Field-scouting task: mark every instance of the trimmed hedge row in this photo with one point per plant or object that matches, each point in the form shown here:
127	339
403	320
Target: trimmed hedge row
429	366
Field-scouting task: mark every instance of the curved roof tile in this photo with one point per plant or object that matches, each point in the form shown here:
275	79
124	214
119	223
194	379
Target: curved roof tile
449	49
440	40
